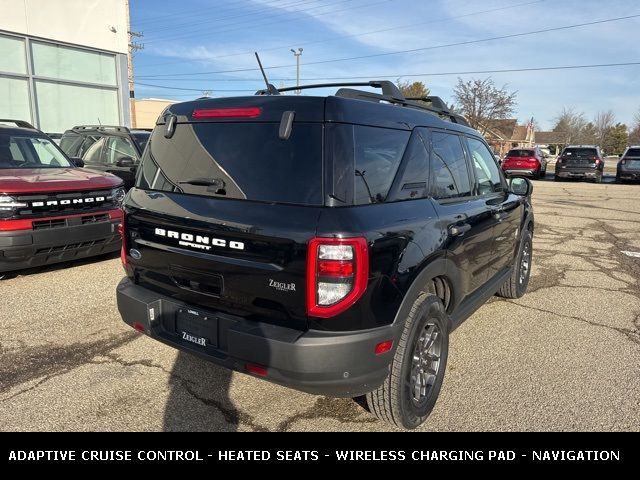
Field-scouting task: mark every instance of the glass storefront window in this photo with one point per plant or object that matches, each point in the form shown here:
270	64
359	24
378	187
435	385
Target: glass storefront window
66	63
12	55
61	107
14	99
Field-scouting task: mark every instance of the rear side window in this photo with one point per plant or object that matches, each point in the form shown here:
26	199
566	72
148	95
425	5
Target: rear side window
449	172
413	178
521	153
633	152
378	152
240	160
580	152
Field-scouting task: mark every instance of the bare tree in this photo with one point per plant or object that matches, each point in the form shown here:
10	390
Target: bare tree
634	134
603	123
480	101
571	123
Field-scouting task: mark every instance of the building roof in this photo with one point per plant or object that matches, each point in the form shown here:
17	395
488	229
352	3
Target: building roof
519	133
551	138
502	129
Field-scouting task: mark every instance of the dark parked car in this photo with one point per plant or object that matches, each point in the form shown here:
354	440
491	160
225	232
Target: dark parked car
529	162
580	161
329	244
51	210
629	165
112	149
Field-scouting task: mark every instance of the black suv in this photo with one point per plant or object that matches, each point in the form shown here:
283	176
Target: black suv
329	244
112	149
629	165
580	161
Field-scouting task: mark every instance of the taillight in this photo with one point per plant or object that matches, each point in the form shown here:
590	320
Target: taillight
597	160
249	112
123	248
337	274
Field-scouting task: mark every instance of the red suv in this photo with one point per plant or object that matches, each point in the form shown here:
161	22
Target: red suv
525	161
51	210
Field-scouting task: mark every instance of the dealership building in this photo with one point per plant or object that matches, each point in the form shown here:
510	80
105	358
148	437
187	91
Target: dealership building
64	63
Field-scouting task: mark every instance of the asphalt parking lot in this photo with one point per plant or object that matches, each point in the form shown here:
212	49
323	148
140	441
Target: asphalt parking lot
564	357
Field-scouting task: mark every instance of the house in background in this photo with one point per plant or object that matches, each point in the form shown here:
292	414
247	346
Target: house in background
555	141
505	134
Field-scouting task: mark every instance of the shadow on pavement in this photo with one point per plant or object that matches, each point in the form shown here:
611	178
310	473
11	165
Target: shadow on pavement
199	398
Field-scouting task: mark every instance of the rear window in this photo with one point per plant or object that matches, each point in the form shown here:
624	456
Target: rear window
633	152
241	160
141	139
70	143
521	153
580	152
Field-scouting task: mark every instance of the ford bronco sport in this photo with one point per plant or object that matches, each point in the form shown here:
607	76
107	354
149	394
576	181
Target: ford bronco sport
329	244
50	209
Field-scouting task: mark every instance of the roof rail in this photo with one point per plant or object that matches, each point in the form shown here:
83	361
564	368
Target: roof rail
117	128
17	123
390	93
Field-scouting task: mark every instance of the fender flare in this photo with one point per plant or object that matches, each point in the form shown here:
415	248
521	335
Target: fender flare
435	268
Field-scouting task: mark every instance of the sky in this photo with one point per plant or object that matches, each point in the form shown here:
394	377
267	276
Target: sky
196	47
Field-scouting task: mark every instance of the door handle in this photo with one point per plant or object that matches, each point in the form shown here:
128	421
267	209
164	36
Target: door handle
456	230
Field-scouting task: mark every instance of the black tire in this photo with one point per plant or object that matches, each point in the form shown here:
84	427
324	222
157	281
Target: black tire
518	282
536	176
395	400
556	178
598	178
543	173
619	180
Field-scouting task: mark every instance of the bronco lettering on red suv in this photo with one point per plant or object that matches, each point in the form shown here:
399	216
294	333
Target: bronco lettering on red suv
329	244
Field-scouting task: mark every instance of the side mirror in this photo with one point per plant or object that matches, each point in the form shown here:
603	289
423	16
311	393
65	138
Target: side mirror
521	186
125	162
77	162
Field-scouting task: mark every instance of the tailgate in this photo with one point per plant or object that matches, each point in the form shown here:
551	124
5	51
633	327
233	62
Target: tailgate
245	259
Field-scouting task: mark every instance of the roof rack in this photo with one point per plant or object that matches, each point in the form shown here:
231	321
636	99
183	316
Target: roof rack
390	94
117	128
17	123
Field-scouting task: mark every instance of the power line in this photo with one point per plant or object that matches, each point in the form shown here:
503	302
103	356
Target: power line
305	44
365	5
259	11
399	52
198	13
166	87
428	74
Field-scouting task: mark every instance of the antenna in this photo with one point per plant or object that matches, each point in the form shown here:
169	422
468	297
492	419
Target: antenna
271	90
99	122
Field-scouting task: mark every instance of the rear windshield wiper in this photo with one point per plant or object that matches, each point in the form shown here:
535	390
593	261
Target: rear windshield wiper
215	185
204	182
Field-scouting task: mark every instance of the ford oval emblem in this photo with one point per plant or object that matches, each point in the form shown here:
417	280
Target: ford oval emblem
135	254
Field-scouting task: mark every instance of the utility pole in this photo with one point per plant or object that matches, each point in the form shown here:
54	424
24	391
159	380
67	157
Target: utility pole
297	55
132	47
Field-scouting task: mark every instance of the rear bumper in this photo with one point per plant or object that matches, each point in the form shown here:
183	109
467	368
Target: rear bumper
628	174
527	172
21	249
327	363
577	172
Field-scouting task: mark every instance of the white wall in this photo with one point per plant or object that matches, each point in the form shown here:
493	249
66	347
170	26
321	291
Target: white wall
80	22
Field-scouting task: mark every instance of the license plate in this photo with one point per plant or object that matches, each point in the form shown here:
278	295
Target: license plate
196	327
